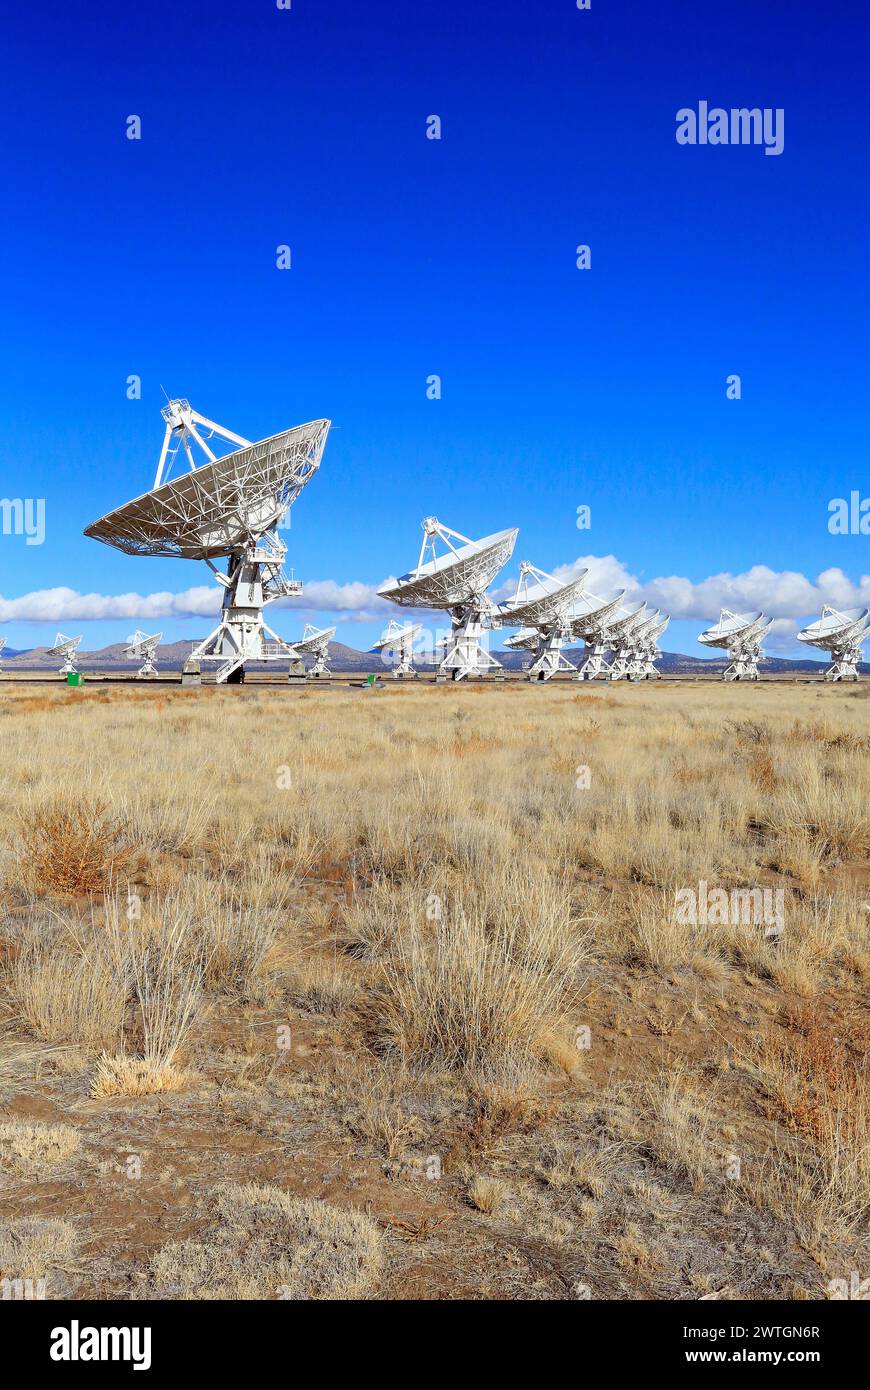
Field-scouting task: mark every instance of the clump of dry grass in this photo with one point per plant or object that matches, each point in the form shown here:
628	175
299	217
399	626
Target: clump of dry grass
678	1126
487	1195
74	846
67	996
267	1243
324	986
33	1148
165	972
476	987
33	1247
819	1170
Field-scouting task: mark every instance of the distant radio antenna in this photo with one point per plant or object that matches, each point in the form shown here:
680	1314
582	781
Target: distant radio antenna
398	639
541	608
144	648
315	642
457	581
741	635
842	634
66	647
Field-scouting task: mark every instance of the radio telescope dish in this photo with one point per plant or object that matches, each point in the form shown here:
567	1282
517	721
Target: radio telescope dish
398	639
543	605
65	647
741	635
2	645
315	642
526	639
144	648
603	627
457	581
225	508
841	634
648	652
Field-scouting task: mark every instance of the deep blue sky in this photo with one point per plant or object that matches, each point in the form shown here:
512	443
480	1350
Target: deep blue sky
412	257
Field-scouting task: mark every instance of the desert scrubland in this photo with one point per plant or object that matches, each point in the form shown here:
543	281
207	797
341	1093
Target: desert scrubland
337	993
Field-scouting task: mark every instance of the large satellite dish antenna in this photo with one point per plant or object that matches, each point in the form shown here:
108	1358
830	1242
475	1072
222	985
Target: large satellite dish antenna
741	635
457	581
630	644
2	645
842	634
542	606
225	508
589	624
398	640
144	648
609	630
65	647
315	642
649	652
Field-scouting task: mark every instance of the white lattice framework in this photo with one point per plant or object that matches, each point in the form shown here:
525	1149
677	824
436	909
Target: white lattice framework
842	635
741	635
398	639
144	648
2	645
226	508
66	648
457	580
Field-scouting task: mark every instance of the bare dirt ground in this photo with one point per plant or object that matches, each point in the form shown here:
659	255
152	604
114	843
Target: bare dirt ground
386	994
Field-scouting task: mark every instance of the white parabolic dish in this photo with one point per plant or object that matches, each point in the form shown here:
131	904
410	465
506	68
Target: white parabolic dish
732	626
454	578
217	508
540	605
836	626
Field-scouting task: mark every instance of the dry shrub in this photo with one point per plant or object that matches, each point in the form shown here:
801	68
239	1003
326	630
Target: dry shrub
487	1194
32	1148
587	1171
475	988
75	846
137	1076
32	1247
679	1133
655	936
69	997
266	1243
323	986
820	1169
165	972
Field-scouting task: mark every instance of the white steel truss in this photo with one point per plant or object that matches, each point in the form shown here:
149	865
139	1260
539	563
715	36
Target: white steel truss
842	635
66	647
456	580
144	648
226	508
398	640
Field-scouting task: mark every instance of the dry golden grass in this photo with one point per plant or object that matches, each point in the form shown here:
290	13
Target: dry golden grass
33	1148
487	1194
68	995
266	1243
33	1247
437	914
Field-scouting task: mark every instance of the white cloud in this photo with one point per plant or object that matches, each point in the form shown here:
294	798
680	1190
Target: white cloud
784	595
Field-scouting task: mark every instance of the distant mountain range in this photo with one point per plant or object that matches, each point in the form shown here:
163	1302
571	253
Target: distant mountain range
172	656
